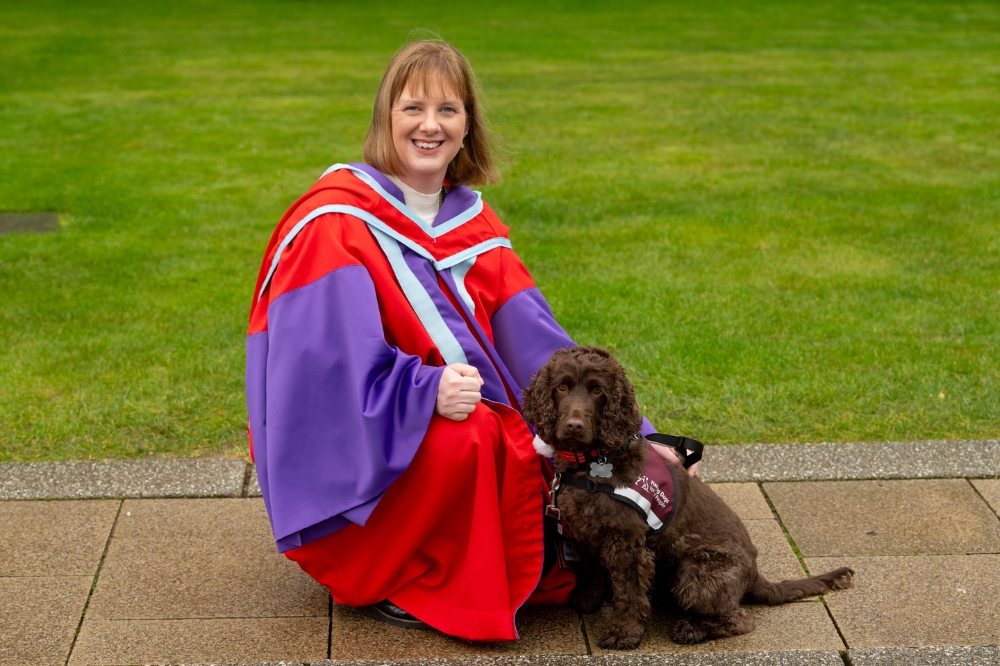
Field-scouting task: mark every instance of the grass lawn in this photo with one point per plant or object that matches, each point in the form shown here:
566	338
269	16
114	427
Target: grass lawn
784	217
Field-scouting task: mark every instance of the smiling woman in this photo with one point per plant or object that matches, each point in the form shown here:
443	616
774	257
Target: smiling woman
392	334
389	305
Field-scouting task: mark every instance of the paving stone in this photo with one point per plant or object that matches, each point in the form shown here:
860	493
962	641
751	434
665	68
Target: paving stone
905	517
745	499
54	538
167	561
917	601
39	617
218	641
94	479
798	626
990	490
776	560
927	656
253	486
819	462
777	658
543	630
193	519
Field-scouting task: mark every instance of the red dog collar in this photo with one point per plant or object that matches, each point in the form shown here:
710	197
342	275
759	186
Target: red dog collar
580	456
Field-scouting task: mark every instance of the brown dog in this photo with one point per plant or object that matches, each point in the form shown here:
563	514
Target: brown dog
583	406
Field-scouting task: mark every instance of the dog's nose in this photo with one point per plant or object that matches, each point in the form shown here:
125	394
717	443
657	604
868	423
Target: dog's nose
574	426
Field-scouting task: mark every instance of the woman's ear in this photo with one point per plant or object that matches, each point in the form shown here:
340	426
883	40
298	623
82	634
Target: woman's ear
621	417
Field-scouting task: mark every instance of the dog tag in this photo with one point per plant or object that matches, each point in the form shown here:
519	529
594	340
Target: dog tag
602	470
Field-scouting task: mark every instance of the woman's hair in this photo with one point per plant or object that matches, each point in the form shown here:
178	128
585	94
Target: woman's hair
422	61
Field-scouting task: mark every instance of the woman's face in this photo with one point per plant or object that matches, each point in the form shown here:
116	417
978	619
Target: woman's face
428	127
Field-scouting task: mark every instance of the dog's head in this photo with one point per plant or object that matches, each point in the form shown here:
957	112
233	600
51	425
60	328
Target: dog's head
580	398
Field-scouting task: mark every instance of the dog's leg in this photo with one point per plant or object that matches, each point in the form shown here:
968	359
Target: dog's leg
632	568
708	589
591	583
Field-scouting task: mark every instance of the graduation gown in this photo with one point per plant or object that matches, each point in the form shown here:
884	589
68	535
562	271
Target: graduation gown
358	307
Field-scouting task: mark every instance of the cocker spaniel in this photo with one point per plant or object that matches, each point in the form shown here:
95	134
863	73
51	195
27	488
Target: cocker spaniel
630	511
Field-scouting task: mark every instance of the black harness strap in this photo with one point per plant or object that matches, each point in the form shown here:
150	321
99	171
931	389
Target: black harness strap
690	450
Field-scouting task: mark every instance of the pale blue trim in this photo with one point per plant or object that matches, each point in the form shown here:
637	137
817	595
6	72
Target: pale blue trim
363	215
459	272
432	231
375	223
421	302
471	252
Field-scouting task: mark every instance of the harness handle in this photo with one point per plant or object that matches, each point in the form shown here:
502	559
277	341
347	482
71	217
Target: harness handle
682	445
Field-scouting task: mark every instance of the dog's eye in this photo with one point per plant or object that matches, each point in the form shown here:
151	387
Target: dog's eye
596	390
562	387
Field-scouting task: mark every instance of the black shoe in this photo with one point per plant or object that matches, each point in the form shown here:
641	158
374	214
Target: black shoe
390	613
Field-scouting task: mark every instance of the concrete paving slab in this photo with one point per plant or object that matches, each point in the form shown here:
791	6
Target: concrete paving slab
54	538
543	630
902	517
782	658
776	560
203	579
39	617
799	626
253	486
990	490
194	519
218	641
201	558
95	479
917	601
928	656
745	499
819	462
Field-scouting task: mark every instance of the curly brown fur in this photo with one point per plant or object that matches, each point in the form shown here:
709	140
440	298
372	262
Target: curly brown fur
582	399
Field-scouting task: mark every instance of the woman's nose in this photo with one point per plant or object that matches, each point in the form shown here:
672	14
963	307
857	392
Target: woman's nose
429	123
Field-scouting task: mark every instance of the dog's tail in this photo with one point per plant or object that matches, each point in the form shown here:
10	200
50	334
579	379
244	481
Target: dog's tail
763	591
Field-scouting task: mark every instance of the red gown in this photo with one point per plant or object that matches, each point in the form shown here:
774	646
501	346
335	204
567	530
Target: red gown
358	307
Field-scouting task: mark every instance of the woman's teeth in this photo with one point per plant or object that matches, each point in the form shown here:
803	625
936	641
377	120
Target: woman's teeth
427	145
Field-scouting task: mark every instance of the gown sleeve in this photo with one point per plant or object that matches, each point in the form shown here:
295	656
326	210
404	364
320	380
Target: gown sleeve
525	332
336	413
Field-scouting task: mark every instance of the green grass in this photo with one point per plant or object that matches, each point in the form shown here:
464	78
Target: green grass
783	217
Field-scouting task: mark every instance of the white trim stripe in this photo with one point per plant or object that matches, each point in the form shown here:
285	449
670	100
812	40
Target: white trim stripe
643	503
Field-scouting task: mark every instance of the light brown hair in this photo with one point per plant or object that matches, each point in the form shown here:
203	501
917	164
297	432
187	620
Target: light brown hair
422	61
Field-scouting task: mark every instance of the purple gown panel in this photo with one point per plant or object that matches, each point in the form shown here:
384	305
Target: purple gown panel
344	412
422	269
526	334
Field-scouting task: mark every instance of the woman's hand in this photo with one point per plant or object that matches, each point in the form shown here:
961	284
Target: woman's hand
458	392
670	455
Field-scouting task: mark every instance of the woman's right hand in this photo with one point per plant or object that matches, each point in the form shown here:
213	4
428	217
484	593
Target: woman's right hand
458	392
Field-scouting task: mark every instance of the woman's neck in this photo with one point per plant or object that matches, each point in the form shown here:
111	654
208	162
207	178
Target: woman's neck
424	205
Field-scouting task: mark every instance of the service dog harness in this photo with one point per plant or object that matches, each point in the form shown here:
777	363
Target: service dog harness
652	493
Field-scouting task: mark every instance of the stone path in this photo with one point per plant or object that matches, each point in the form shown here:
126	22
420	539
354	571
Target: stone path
172	562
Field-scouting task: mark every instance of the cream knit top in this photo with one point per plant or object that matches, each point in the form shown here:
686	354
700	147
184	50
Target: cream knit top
424	205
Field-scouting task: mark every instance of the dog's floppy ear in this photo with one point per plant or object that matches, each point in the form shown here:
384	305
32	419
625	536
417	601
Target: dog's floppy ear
621	417
539	407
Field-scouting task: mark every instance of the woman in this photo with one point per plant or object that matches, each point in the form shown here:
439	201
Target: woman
392	333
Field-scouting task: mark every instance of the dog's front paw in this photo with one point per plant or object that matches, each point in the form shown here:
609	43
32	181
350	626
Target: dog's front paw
682	631
622	636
